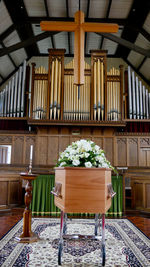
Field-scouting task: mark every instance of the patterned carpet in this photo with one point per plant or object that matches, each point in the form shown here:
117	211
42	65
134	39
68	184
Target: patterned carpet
125	245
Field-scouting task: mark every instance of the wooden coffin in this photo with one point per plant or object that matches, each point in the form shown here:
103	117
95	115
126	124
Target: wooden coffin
84	190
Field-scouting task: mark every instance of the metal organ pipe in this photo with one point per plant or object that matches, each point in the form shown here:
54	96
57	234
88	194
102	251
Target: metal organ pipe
12	97
76	99
139	100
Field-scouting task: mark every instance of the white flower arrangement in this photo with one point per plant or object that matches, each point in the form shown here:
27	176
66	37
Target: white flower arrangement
83	153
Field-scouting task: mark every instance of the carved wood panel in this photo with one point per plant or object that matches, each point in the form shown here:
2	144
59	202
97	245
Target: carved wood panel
64	141
14	192
121	151
53	149
41	150
108	148
3	194
18	149
133	152
4	139
148	195
98	141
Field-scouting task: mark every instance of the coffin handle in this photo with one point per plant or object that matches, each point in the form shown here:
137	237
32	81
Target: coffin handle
111	192
56	191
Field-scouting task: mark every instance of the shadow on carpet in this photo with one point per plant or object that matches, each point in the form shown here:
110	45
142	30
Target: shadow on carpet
125	245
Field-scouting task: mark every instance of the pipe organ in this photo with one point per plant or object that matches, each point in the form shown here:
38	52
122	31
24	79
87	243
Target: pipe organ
12	97
76	99
114	94
99	87
55	82
39	92
55	97
138	97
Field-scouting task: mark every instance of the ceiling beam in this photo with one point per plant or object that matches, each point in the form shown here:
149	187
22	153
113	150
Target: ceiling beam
136	70
142	31
86	16
12	73
26	43
136	18
1	76
67	15
107	15
7	32
47	14
18	14
127	44
12	61
37	20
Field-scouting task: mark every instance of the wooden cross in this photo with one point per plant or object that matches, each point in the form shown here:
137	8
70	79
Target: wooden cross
79	27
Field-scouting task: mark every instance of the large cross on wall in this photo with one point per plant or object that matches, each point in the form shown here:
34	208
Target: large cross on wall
79	27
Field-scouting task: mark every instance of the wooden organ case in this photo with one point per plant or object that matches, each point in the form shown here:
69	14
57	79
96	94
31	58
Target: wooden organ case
99	101
112	108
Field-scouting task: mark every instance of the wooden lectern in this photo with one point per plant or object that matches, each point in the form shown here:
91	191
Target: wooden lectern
27	235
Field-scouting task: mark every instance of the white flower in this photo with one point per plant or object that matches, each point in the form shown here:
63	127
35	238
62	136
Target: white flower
99	158
62	164
86	155
80	151
88	164
96	149
76	162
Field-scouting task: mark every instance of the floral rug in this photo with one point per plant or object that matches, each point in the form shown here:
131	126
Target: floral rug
125	245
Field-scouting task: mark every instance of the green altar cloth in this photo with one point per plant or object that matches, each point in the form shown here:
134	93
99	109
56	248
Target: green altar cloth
43	201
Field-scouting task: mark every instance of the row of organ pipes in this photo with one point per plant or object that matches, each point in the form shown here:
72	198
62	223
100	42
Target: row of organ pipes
55	89
39	96
113	95
138	97
76	100
54	96
12	97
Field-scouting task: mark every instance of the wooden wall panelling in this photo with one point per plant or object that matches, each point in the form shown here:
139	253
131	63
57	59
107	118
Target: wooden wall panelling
97	131
3	194
98	141
13	192
148	196
148	158
53	149
121	152
64	141
115	151
42	150
142	157
144	154
108	148
133	152
139	196
86	131
5	139
74	138
10	185
140	188
17	149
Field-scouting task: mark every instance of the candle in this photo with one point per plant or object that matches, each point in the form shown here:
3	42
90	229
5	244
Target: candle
31	152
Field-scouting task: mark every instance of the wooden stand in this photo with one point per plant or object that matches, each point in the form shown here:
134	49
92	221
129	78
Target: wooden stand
27	235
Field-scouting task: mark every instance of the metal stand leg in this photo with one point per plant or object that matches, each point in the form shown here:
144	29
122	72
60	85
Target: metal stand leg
96	223
103	240
65	224
60	246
